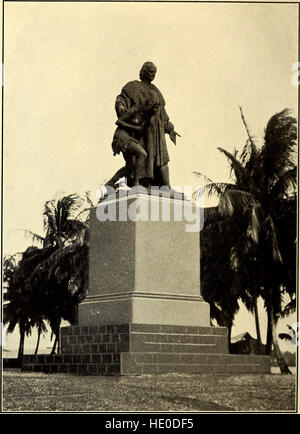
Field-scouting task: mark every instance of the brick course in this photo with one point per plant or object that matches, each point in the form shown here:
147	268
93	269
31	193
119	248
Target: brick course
138	349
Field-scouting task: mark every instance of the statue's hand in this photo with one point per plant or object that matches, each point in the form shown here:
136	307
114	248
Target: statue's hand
173	135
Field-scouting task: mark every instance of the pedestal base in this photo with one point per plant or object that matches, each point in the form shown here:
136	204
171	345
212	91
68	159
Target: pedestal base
144	309
134	349
144	313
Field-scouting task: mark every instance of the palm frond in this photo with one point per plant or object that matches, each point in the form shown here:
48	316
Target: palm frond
235	155
285	337
243	179
81	212
73	227
214	189
67	205
89	200
204	177
254	226
291	329
49	215
40	325
287	183
270	235
34	237
13	256
279	146
290	308
250	147
235	200
11	326
61	264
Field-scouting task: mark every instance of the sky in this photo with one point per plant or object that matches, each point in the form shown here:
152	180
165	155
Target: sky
66	62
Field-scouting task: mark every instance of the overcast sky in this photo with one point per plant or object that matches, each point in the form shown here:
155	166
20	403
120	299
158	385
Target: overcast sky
66	62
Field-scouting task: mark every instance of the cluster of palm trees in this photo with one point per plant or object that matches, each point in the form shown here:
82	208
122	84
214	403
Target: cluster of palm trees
46	283
248	246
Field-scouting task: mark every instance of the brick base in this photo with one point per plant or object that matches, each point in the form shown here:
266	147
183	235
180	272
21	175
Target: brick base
129	349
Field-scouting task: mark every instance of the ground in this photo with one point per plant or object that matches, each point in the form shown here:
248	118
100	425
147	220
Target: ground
171	392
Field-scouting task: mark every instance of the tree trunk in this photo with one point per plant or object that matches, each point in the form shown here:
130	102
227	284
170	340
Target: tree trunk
284	369
58	343
55	330
257	325
76	315
54	345
269	333
22	339
229	337
38	340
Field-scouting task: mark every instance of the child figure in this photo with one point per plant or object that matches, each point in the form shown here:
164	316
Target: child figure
131	126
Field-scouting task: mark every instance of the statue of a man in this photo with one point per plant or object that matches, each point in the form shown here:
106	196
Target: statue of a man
154	124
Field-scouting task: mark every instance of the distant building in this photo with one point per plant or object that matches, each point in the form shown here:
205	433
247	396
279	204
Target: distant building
245	344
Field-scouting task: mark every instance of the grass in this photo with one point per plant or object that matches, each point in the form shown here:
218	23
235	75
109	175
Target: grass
170	392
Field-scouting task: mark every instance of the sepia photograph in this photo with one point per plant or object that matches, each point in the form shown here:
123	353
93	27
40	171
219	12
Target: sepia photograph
149	213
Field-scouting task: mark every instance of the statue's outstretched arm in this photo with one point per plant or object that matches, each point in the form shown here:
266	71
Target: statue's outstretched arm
170	129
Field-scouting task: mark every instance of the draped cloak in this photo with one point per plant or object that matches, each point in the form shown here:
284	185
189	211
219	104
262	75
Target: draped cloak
138	93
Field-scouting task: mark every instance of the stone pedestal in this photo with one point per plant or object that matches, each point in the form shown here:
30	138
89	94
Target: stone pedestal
145	269
144	313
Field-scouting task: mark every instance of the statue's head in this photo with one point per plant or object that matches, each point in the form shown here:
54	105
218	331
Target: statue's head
148	71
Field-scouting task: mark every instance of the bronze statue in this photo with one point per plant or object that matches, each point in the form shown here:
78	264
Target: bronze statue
140	136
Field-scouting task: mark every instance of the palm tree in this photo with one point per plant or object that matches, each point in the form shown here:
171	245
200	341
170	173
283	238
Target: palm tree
265	181
59	281
59	222
41	329
13	316
17	298
49	282
63	278
217	278
287	241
